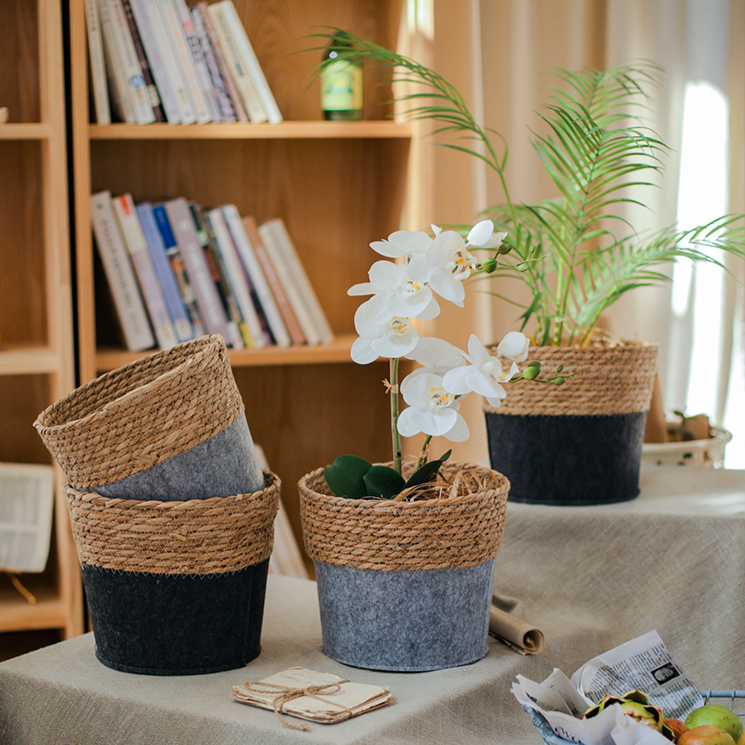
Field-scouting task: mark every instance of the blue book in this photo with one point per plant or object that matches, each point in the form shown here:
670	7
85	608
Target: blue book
164	270
179	270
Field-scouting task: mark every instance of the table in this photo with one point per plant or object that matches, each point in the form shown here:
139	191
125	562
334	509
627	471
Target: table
590	577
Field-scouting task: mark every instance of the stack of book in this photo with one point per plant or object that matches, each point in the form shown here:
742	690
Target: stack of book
177	271
161	61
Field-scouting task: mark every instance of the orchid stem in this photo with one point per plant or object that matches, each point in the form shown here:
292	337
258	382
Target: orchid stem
423	455
394	415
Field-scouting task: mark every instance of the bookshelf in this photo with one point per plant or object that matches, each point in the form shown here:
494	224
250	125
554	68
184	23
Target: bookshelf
338	186
37	363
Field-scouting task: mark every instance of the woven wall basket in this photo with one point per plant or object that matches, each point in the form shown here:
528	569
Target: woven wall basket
406	586
170	426
175	588
581	442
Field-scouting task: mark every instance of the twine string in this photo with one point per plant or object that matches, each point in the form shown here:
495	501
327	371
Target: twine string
285	694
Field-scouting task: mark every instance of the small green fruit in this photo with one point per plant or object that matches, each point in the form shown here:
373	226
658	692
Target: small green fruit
718	716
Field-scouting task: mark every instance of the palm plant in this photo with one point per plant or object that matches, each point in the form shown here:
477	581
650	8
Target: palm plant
567	249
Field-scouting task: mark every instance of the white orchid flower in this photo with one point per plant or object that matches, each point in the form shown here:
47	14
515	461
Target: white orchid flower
381	336
432	410
403	244
482	235
483	376
436	356
401	289
514	346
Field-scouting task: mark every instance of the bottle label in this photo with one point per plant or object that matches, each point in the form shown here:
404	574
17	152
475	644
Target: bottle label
341	87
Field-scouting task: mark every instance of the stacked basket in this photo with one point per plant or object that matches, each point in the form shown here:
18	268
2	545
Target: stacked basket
172	516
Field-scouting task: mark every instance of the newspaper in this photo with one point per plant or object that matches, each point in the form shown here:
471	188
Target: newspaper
643	663
26	504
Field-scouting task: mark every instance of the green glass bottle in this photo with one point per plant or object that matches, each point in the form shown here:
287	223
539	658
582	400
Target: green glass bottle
341	84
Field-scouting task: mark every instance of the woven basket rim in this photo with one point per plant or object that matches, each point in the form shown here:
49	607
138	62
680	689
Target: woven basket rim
202	346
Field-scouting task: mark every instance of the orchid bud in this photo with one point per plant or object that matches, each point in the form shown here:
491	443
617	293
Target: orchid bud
504	248
558	381
531	372
489	265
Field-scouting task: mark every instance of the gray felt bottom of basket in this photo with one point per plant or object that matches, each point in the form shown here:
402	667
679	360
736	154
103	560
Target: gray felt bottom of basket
224	465
407	621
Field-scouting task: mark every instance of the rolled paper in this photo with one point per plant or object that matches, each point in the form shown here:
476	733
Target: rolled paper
517	634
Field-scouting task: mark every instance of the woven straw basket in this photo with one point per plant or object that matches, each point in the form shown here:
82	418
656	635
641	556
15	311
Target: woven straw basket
406	585
580	442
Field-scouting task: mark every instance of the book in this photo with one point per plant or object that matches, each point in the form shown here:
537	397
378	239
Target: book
99	88
237	69
253	267
200	276
129	224
226	110
249	58
280	298
158	69
129	305
181	51
172	68
126	56
147	75
164	270
238	333
121	106
179	270
200	64
235	99
243	289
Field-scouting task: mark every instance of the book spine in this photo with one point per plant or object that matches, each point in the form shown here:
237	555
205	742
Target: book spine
129	224
150	87
164	270
244	290
155	60
210	307
97	64
253	267
298	273
251	61
183	55
121	106
233	315
130	64
226	112
179	270
236	67
120	275
293	295
235	98
280	298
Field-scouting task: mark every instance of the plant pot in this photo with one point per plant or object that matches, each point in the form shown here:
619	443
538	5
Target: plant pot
406	586
170	426
175	588
579	443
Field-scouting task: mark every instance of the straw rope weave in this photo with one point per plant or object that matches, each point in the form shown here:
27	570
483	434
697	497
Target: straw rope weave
445	533
139	415
201	536
616	380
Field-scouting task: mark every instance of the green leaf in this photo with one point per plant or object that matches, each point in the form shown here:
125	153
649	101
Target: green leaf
383	481
427	471
346	476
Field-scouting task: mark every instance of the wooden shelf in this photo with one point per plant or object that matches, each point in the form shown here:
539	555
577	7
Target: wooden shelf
285	130
39	131
17	614
337	351
19	359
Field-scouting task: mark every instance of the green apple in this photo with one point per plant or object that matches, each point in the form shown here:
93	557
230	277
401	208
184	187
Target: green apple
716	715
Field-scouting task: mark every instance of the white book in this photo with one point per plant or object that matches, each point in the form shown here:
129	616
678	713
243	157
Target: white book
298	275
253	267
127	56
200	65
236	67
252	63
120	275
134	239
284	274
98	66
181	50
121	105
236	277
157	64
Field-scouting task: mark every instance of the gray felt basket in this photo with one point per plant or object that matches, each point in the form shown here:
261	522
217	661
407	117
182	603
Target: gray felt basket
406	586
